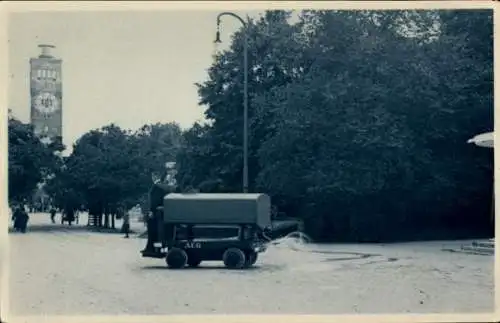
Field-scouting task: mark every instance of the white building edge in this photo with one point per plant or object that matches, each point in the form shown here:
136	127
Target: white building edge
483	140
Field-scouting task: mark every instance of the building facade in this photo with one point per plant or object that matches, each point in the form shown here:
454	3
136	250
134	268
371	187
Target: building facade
46	94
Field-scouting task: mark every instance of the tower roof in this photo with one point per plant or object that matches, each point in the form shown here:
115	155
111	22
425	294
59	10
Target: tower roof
46	50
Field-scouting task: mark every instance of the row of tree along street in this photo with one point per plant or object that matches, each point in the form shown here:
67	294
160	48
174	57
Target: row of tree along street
358	126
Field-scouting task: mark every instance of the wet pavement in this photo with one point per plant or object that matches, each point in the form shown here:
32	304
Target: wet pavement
67	270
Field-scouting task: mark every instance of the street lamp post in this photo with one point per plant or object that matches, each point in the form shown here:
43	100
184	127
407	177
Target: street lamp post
245	91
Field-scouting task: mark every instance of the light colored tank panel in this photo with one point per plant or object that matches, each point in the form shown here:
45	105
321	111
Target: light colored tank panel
218	209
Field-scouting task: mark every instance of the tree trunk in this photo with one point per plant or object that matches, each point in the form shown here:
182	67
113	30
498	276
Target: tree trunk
113	220
93	218
106	219
95	210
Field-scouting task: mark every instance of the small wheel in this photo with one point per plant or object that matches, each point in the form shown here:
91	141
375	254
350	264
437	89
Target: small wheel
234	258
176	258
193	262
251	259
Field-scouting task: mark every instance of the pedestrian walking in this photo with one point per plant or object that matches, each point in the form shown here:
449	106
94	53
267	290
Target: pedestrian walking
69	213
126	224
53	212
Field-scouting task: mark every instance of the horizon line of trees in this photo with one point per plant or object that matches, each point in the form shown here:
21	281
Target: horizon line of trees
358	126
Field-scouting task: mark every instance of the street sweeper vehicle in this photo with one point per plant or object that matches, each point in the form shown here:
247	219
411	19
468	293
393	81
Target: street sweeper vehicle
187	229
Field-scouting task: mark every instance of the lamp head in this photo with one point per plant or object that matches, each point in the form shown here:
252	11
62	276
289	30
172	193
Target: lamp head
217	37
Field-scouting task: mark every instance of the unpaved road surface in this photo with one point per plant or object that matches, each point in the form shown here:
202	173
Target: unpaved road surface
59	270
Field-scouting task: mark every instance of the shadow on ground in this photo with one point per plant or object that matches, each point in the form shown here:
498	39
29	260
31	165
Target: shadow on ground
218	267
49	228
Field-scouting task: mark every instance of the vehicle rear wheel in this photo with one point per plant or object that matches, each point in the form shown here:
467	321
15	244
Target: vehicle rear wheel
234	258
176	258
251	258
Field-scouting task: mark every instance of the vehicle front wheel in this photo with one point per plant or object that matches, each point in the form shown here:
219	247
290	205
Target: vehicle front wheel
234	258
176	258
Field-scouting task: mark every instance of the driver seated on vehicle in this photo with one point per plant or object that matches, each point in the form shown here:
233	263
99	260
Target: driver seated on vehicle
152	231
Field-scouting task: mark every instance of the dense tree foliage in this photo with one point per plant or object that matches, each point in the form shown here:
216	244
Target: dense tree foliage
359	121
31	162
111	168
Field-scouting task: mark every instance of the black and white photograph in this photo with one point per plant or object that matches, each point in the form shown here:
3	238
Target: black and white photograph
267	160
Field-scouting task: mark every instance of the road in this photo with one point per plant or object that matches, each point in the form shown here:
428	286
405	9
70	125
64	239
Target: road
69	271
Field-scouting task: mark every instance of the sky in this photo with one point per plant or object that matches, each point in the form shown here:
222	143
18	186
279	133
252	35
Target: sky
129	68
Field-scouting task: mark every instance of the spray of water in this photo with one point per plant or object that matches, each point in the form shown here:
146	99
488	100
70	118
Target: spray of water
295	251
296	241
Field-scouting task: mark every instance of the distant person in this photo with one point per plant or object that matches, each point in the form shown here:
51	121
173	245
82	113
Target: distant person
126	224
69	215
24	220
53	212
20	218
16	210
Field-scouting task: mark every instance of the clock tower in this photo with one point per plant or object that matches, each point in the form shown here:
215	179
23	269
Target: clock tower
46	94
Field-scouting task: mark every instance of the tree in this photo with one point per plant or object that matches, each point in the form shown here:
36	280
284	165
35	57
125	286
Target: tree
273	49
335	141
30	161
100	169
357	121
111	168
195	162
154	145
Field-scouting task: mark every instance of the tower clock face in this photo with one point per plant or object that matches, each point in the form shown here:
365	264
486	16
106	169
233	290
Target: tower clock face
46	103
